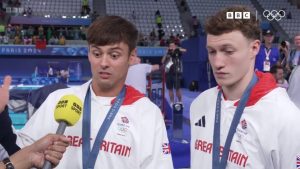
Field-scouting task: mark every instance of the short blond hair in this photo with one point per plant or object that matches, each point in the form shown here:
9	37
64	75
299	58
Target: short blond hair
219	24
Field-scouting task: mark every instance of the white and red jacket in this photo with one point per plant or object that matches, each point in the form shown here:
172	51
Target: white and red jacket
267	136
136	139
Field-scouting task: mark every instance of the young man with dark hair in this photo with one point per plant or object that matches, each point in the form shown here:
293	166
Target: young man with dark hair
120	127
246	121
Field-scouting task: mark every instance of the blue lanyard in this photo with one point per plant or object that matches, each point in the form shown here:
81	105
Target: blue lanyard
216	163
89	157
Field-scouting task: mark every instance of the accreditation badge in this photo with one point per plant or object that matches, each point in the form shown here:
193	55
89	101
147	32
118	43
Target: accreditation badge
267	66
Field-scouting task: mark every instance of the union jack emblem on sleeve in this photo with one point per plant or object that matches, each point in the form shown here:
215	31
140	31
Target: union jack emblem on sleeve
125	120
244	124
166	148
298	162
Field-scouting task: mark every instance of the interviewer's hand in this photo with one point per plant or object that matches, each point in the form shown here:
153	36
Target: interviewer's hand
4	92
50	147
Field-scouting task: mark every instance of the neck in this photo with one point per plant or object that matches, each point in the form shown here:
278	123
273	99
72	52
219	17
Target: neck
235	91
106	92
268	45
298	48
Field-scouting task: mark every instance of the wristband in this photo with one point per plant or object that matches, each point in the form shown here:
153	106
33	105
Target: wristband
8	164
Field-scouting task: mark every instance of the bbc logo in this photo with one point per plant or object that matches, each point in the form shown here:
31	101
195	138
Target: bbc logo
237	15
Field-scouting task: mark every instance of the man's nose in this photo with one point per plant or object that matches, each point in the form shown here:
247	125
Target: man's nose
104	62
218	60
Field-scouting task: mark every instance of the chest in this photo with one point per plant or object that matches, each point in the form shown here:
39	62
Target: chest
245	147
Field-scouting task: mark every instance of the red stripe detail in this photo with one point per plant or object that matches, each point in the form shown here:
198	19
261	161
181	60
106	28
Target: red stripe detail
266	83
131	96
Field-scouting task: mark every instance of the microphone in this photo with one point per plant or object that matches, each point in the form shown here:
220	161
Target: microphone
67	112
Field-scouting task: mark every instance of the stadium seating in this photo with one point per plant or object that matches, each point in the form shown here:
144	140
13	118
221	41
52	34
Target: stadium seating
54	8
291	26
205	8
145	14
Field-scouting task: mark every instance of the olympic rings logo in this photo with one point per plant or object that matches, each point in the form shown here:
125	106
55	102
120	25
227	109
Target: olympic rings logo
271	15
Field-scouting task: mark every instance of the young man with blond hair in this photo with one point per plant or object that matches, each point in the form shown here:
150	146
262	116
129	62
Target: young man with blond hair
246	121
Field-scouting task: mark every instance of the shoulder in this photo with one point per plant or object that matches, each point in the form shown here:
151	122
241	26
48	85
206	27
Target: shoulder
276	114
79	91
278	105
145	104
212	92
274	50
206	98
146	111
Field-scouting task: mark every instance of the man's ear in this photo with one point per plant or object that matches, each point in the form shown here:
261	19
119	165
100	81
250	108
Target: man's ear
132	56
254	49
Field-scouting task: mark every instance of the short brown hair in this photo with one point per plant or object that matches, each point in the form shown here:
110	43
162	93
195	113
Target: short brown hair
218	24
111	30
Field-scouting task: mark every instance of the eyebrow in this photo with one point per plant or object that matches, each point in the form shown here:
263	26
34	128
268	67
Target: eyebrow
114	48
94	46
227	45
222	46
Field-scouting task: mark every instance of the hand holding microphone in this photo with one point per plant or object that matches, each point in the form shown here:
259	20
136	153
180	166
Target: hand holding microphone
67	112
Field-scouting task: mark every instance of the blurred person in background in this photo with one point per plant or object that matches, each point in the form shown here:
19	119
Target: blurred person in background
278	73
268	54
284	50
172	62
137	74
294	56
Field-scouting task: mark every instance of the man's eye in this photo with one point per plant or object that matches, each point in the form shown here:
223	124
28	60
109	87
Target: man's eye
114	55
211	52
229	52
96	54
